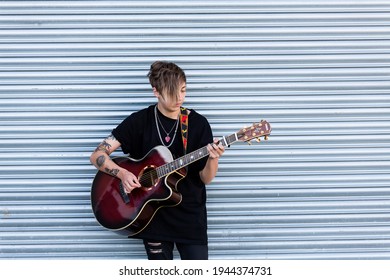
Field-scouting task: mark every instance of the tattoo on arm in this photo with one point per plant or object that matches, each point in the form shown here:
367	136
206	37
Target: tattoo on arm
104	146
100	161
111	137
112	172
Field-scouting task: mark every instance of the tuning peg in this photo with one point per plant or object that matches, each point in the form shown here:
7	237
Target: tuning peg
249	142
258	139
266	137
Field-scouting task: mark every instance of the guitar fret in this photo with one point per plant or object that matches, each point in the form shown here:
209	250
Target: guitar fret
224	141
232	138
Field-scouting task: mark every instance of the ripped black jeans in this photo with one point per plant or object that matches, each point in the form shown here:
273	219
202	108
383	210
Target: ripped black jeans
163	250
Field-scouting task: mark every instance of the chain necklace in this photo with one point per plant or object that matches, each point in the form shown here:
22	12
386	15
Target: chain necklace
167	138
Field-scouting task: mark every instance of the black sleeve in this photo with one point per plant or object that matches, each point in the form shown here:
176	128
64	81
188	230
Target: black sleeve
123	134
129	134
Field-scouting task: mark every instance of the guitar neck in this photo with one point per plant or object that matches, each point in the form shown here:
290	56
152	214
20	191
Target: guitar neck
189	158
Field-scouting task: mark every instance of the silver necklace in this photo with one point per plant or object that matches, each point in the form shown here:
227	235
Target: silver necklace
167	137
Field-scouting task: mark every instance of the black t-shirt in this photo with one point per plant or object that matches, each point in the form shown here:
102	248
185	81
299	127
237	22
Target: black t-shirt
186	222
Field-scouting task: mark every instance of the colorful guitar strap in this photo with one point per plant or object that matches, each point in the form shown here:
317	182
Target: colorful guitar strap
184	126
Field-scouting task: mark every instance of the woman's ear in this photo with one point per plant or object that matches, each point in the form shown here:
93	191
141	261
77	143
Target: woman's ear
155	92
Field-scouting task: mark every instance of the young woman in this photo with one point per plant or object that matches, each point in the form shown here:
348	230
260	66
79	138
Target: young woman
184	225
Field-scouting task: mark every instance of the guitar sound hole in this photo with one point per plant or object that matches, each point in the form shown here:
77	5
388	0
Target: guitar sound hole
148	177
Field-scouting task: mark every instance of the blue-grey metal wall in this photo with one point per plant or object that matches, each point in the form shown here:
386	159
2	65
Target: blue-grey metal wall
318	71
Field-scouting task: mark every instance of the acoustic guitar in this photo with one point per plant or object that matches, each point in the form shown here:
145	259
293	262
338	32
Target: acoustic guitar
158	173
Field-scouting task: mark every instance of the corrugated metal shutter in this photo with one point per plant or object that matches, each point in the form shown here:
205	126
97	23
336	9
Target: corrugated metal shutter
318	71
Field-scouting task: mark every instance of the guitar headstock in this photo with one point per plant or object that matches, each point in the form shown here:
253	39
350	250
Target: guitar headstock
255	131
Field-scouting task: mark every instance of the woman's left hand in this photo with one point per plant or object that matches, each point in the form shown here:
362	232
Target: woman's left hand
215	149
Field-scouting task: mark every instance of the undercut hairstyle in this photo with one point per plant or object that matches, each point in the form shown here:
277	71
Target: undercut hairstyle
166	77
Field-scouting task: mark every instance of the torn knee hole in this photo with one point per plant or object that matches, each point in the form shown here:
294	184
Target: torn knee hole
155	248
157	251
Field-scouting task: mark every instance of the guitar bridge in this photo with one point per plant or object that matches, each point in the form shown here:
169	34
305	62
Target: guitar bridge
124	194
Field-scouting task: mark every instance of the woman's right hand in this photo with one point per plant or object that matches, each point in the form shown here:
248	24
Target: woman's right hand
129	180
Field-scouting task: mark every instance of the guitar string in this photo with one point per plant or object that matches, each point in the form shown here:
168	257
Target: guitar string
149	176
154	172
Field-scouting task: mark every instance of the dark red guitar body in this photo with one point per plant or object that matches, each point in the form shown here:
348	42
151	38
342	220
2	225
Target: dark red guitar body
129	214
159	174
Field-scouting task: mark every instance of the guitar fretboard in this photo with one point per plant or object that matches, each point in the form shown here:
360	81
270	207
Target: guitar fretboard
189	158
